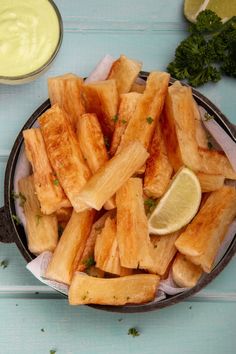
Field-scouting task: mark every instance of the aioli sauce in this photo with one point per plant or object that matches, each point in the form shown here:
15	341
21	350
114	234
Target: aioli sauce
29	34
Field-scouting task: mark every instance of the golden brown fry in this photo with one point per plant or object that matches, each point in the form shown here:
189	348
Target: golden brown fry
142	124
185	274
41	229
92	145
125	72
158	168
137	88
210	183
111	176
101	98
136	289
106	251
216	162
49	191
64	154
88	252
203	236
70	247
66	91
179	128
132	228
128	103
163	252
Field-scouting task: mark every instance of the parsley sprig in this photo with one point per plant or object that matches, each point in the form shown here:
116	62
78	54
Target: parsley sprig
208	52
133	332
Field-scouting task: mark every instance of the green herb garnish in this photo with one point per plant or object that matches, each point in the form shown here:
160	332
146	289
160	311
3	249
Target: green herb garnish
89	262
115	118
149	205
19	196
208	52
16	219
133	332
4	264
56	182
124	121
149	120
42	330
53	351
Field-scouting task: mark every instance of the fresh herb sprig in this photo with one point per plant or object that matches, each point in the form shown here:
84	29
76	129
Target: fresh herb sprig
208	52
133	332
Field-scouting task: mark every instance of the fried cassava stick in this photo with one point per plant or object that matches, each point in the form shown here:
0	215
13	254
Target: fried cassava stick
136	289
112	175
66	91
185	274
64	154
132	229
71	244
49	191
41	230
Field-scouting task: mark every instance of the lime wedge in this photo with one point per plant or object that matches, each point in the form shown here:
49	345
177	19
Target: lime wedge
178	205
224	9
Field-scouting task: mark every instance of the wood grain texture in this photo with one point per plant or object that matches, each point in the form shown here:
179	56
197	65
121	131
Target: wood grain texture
149	31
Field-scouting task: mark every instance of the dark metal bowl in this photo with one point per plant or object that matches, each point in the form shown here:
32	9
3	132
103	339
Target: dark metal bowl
10	232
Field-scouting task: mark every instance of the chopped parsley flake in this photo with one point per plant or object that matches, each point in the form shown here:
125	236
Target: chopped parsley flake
208	117
133	332
4	264
42	330
16	219
53	351
149	205
19	196
56	182
149	120
89	262
124	121
115	118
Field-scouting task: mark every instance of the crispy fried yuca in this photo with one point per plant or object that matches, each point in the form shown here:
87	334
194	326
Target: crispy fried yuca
125	72
142	124
41	229
128	103
158	168
134	289
88	252
49	191
71	244
64	154
91	142
66	91
179	128
101	98
132	227
216	162
203	236
210	183
112	175
106	251
163	252
185	274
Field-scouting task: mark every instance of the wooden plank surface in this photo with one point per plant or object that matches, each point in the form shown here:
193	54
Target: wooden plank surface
149	31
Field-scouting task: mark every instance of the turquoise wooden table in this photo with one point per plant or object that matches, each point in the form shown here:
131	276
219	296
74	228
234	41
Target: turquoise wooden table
34	318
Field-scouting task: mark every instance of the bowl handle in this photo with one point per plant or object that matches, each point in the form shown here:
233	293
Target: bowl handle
6	234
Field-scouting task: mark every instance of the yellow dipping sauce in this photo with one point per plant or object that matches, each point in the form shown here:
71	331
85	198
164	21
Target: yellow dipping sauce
29	34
